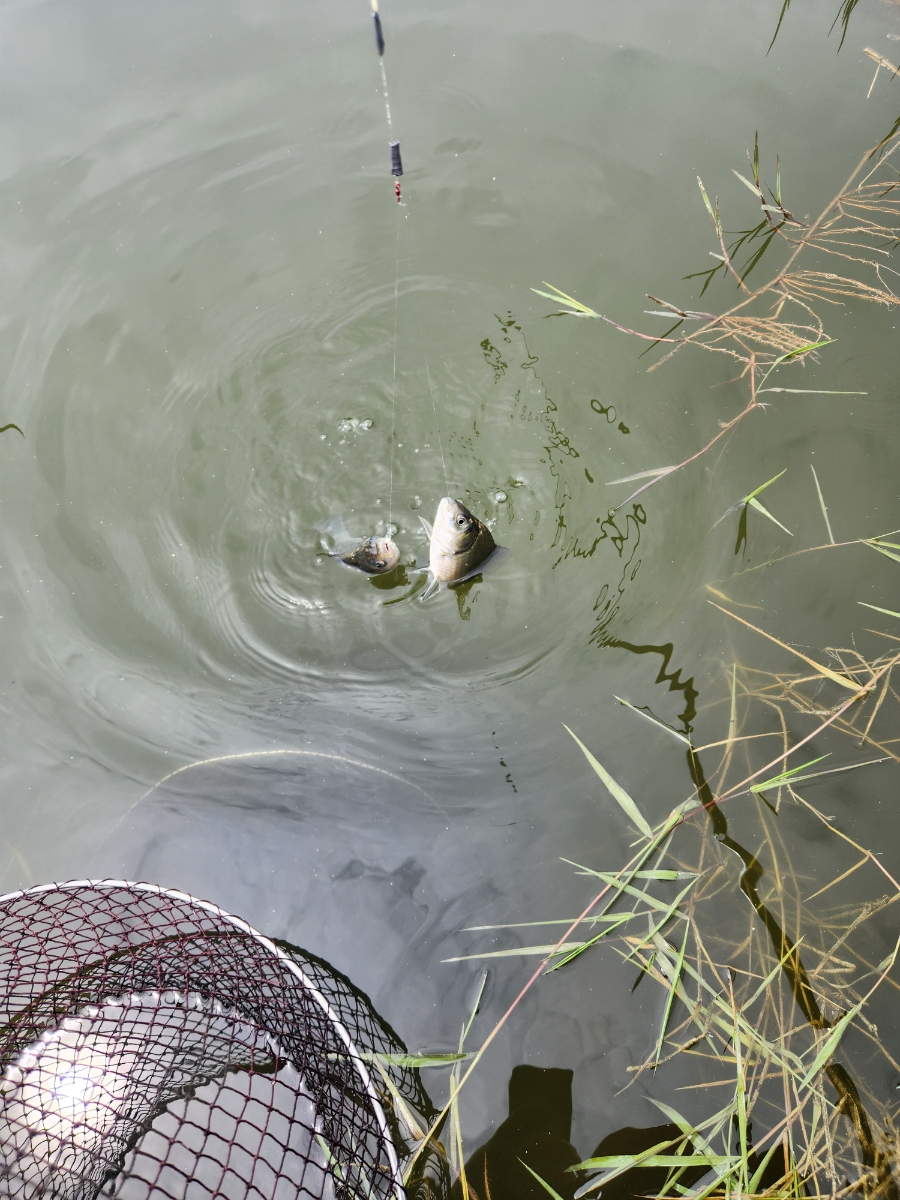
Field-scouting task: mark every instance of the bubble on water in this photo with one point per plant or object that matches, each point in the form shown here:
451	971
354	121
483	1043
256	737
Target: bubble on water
392	530
323	437
347	423
416	503
499	497
367	423
378	500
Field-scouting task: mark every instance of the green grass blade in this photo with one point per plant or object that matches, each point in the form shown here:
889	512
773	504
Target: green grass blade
793	354
416	1060
656	1160
880	548
785	776
709	207
561	297
591	920
627	890
829	1046
617	792
616	1164
655	934
695	1132
764	986
647	717
702	1193
754	1183
754	503
665	875
763	486
576	312
621	881
740	1096
475	1007
822	504
746	182
543	1182
543	951
670	998
887	611
640	475
625	917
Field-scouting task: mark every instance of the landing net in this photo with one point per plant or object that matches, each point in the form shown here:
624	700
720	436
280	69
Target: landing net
152	1045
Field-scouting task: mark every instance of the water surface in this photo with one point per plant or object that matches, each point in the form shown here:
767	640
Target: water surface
203	266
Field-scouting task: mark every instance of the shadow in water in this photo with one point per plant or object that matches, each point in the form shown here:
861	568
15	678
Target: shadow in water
664	675
536	1132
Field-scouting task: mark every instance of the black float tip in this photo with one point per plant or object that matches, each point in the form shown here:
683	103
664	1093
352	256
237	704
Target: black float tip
396	164
379	35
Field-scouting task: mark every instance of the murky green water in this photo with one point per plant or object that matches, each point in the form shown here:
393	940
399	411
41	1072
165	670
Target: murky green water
200	248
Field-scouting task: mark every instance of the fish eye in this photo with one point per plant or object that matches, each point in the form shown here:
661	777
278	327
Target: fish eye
378	562
460	520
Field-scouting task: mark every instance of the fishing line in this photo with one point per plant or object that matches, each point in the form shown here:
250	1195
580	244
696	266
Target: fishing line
437	424
397	172
394	377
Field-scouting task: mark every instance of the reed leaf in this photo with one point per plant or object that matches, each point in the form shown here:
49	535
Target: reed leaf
617	792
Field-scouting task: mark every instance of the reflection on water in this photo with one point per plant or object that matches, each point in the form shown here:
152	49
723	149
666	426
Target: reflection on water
672	678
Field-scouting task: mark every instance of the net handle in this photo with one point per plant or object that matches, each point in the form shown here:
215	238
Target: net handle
286	961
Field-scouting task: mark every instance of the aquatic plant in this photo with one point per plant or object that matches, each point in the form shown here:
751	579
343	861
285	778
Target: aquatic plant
779	1012
777	323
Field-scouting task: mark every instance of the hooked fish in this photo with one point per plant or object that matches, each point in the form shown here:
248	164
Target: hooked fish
374	555
461	546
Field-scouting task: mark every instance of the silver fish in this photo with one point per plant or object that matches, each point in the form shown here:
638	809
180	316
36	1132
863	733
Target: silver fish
461	546
374	555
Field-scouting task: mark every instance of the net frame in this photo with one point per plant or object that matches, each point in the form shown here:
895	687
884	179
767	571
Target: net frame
67	946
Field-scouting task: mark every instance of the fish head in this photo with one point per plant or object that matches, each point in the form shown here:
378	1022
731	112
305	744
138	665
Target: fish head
454	526
386	554
375	556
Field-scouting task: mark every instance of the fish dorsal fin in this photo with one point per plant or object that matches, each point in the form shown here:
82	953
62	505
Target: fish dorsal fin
496	558
429	529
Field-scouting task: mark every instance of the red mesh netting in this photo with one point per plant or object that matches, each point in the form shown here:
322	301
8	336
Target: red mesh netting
153	1045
